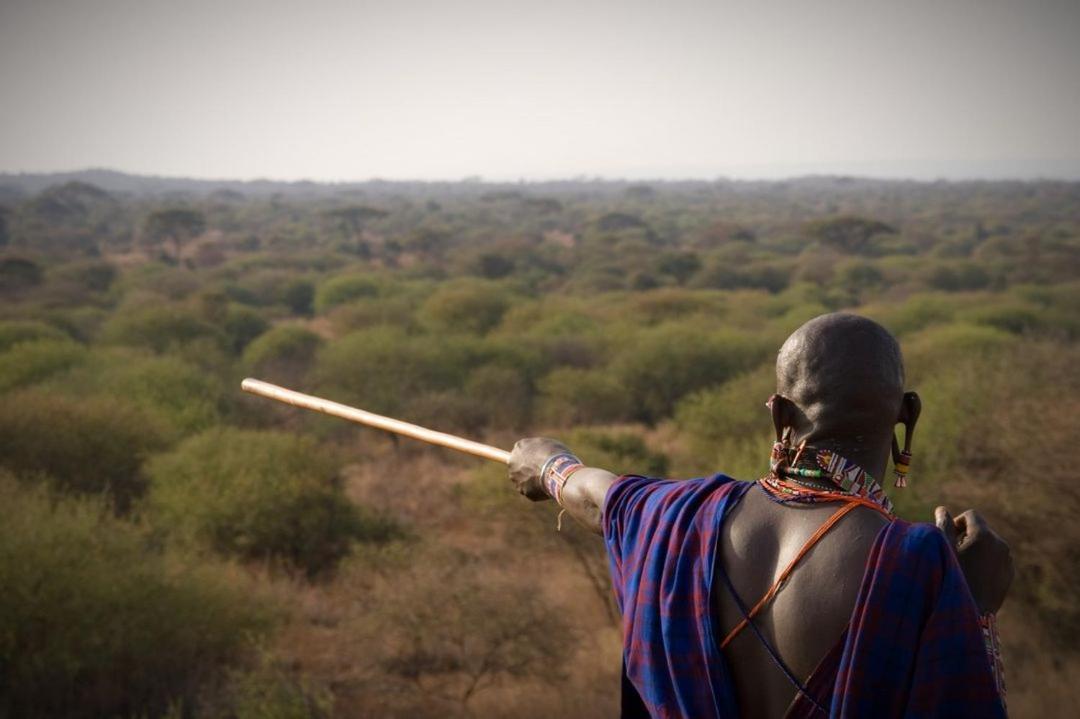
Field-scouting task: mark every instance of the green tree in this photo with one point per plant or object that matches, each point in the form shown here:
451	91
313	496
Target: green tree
465	306
90	445
260	495
847	233
283	354
670	361
95	621
176	226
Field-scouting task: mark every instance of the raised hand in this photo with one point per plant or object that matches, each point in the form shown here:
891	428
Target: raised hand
984	556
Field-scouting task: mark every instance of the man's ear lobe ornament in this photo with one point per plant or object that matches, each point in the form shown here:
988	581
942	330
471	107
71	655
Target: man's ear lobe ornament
912	407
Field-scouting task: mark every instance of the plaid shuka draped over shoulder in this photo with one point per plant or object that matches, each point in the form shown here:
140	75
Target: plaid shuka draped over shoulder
913	646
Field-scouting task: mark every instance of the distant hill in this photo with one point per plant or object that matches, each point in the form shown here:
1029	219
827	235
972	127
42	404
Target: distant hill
18	186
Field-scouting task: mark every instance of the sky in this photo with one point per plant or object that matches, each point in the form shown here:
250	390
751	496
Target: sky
505	90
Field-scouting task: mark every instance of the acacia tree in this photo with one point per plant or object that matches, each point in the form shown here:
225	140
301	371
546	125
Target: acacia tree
176	226
847	233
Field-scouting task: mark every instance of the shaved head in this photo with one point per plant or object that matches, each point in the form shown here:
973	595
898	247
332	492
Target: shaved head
845	375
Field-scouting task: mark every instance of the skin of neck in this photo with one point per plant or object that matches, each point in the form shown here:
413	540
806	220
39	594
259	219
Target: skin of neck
869	445
870	453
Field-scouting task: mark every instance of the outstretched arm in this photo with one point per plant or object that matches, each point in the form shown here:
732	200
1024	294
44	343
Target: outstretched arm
582	495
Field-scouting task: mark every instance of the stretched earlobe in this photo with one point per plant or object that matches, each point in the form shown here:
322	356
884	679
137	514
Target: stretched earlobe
780	406
910	409
782	415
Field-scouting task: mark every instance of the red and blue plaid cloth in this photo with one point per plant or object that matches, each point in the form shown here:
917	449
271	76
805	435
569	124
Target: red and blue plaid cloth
913	647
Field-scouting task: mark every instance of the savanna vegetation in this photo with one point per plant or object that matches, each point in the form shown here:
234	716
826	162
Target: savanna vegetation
170	547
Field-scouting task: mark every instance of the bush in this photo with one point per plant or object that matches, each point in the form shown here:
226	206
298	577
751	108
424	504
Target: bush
958	276
572	396
259	495
666	363
475	307
284	353
938	348
1012	317
12	332
619	452
94	622
31	362
181	397
270	691
88	275
339	290
242	325
918	312
299	296
728	428
382	368
160	328
504	395
92	445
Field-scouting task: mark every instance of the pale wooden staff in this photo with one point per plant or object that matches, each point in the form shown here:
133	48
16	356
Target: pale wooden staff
335	409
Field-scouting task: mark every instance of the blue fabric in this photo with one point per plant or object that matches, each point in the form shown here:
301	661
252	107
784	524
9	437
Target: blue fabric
659	539
913	648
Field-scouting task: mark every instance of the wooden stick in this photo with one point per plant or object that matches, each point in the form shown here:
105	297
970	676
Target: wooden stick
334	409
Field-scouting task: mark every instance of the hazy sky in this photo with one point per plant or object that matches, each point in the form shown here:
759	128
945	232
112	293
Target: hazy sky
326	89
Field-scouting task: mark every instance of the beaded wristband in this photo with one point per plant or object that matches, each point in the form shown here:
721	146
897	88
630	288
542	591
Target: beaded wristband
988	624
557	469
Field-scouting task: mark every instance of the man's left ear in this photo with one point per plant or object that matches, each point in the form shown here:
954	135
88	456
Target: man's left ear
910	408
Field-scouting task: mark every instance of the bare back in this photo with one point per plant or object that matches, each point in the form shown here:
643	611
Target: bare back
809	614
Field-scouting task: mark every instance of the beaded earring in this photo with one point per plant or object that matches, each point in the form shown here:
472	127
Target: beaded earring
901	462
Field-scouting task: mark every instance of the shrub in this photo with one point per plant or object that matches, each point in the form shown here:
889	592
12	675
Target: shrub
12	332
372	312
918	312
271	691
578	396
94	622
667	362
339	290
242	325
619	452
939	348
82	322
1012	317
382	368
504	395
958	276
31	362
465	307
728	428
88	275
92	445
860	277
299	296
180	396
259	495
483	631
160	328
284	353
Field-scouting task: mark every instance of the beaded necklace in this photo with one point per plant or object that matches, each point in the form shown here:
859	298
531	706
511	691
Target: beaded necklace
833	478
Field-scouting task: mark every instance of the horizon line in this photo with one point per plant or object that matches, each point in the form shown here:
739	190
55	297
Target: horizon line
480	179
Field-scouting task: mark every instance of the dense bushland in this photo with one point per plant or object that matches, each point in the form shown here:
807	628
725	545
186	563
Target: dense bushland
637	323
97	620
